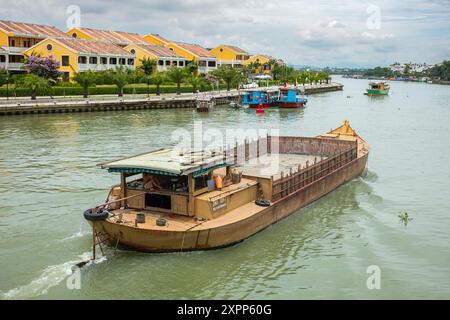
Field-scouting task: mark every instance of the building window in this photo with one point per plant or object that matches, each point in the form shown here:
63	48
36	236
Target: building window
202	63
181	63
122	61
174	63
49	47
103	60
160	62
131	62
112	60
65	76
65	61
2	59
171	49
257	60
167	63
74	35
82	60
12	42
211	64
221	50
15	59
93	60
133	51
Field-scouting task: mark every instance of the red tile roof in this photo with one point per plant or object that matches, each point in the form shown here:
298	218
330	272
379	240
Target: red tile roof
93	46
30	29
117	37
195	49
237	49
159	51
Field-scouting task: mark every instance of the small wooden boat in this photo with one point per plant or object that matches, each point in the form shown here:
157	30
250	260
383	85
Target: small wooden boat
291	97
169	200
260	97
205	104
378	88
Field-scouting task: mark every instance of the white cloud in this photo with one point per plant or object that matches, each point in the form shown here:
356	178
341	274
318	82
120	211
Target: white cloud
301	32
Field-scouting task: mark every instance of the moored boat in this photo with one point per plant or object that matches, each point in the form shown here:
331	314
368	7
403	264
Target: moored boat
378	88
205	104
260	98
170	200
291	97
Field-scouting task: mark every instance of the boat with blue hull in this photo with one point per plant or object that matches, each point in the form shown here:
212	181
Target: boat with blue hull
291	97
260	98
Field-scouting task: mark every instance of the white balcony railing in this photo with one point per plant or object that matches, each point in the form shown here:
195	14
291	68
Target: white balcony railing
16	66
100	67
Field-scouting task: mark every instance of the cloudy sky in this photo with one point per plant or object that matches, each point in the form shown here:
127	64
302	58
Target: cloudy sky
320	33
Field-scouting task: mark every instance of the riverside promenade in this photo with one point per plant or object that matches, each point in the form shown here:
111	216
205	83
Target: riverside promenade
45	105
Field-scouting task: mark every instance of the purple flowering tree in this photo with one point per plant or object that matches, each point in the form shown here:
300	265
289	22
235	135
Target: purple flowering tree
46	67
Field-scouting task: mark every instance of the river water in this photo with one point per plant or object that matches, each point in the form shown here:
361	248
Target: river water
48	177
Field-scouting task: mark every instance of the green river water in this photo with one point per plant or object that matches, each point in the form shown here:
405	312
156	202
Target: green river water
48	177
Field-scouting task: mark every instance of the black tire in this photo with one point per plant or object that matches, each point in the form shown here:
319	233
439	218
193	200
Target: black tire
262	202
100	215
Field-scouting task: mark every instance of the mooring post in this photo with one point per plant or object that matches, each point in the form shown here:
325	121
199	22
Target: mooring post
93	241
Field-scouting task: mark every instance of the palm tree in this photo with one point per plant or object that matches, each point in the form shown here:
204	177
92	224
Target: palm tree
34	83
197	82
228	75
85	79
192	68
303	77
158	79
177	75
120	77
148	66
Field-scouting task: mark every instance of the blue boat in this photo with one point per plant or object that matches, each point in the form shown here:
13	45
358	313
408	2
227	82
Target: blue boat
291	97
260	98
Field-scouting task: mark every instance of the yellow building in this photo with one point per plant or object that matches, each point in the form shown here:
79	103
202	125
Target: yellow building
119	38
194	52
165	58
16	37
152	38
262	61
230	55
76	55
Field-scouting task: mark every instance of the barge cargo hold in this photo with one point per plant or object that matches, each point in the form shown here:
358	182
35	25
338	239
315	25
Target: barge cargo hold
173	201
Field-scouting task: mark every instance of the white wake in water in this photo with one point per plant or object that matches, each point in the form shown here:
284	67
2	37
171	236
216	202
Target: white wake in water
50	277
76	235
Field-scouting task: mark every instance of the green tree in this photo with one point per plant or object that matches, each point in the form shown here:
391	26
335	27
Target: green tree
197	82
158	79
228	75
85	79
34	83
303	77
148	66
121	77
177	75
3	77
192	68
148	80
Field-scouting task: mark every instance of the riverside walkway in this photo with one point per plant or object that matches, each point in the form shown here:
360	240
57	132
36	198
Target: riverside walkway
43	105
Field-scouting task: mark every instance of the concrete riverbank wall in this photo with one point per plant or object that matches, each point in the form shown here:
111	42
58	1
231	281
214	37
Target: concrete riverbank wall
61	105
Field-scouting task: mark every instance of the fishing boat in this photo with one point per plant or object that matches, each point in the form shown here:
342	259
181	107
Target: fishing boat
172	200
291	97
377	88
205	104
260	98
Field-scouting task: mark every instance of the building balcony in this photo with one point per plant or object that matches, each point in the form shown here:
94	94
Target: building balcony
12	66
101	67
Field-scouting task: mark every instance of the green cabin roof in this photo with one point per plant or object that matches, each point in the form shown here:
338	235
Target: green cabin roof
174	162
